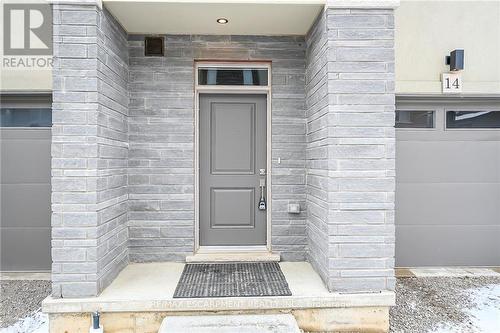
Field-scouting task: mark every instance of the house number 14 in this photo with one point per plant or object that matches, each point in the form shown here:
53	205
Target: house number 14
452	83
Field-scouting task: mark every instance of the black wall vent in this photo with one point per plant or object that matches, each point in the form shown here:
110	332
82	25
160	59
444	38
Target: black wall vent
153	46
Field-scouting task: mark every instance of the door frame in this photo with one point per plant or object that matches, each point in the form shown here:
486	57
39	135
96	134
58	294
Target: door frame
225	90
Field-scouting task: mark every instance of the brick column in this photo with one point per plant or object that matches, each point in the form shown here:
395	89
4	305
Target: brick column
351	145
89	149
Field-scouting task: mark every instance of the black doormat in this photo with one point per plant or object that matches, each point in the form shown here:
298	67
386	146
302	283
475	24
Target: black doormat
232	280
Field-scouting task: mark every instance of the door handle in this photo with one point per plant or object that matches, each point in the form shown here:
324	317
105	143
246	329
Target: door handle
262	201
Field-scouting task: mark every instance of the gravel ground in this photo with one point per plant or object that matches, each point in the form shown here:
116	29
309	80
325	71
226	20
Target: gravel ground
20	299
422	304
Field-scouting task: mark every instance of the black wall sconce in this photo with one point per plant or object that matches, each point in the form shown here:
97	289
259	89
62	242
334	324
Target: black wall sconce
455	60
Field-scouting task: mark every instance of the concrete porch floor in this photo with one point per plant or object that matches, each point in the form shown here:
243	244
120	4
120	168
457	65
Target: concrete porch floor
150	287
142	296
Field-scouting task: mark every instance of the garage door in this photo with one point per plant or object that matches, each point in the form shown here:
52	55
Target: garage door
25	139
448	183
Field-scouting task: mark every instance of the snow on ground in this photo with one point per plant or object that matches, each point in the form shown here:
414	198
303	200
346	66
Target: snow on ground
37	323
484	316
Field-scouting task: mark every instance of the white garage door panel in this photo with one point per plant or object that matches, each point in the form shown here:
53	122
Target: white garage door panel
448	203
447	245
16	198
446	162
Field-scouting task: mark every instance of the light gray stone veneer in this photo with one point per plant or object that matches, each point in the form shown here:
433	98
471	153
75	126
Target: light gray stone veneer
123	146
161	138
89	150
350	148
317	146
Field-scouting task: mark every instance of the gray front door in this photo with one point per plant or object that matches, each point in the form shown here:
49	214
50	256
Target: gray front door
232	154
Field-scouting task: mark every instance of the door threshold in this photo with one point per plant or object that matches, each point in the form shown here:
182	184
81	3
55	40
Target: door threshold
249	254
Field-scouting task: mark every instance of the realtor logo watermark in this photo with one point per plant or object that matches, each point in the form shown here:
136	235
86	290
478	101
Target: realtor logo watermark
27	35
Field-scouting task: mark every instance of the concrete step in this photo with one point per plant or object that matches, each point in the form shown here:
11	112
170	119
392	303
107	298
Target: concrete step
266	323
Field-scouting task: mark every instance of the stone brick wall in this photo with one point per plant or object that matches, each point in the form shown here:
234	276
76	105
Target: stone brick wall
351	149
123	146
89	150
317	165
161	137
112	131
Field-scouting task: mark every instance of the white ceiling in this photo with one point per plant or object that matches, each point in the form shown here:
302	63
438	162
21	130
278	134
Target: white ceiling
246	17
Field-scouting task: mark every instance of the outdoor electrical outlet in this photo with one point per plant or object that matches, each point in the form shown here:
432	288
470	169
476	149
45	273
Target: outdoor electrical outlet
294	208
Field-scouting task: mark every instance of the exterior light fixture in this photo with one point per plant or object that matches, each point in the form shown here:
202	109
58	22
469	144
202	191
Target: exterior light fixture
222	20
455	60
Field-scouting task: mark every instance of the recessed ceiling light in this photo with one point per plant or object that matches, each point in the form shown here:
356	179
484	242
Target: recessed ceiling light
222	20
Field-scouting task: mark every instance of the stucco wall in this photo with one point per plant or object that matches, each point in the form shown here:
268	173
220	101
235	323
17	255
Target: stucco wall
38	79
161	137
426	31
25	80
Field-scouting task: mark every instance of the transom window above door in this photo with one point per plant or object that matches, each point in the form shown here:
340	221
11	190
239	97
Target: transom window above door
232	76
